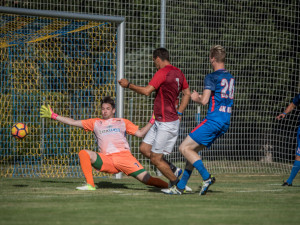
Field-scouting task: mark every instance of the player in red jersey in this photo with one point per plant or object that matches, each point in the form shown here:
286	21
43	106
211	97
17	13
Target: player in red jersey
168	82
114	154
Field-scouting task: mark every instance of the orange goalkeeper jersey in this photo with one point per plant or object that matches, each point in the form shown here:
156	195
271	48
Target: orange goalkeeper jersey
110	134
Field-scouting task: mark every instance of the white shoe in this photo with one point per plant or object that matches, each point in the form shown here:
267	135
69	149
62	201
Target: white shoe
178	172
205	184
188	189
172	190
86	187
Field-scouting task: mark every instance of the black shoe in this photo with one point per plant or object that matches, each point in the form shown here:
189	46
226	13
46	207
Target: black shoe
286	184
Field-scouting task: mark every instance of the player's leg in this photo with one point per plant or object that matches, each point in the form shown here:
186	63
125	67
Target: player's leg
182	184
296	166
202	136
188	149
124	161
87	158
145	149
146	146
294	171
99	161
158	161
147	179
165	140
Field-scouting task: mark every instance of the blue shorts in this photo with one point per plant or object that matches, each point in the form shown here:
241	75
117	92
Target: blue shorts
298	142
207	132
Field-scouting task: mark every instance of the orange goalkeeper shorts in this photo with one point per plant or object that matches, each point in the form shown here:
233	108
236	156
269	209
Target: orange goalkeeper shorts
122	161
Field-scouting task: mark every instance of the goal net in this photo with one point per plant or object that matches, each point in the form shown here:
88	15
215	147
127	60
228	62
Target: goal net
69	64
261	39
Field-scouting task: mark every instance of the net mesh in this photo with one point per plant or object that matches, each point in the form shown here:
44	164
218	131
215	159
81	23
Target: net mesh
69	64
261	38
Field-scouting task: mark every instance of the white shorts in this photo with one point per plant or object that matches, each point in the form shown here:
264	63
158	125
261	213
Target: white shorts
162	136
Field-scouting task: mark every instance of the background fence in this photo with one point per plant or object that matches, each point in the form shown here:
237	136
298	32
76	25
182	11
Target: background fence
262	43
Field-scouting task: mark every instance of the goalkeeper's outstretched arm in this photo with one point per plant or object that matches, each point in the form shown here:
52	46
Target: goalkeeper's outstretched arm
47	112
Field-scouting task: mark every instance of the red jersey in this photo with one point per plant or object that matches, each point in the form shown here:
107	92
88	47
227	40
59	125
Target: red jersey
168	82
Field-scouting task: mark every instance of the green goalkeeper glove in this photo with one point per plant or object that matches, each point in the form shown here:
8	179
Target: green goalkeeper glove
47	112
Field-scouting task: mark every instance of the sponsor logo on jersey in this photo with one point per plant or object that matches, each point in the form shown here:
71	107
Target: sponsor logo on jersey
110	129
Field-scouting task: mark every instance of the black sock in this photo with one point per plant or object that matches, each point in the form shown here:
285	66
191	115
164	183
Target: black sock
174	182
173	168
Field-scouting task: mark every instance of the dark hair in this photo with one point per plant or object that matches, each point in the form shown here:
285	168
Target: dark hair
108	100
162	53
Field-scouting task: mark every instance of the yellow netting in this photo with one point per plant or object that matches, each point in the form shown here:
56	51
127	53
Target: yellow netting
66	63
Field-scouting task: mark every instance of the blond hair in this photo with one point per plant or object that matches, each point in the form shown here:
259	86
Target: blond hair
218	52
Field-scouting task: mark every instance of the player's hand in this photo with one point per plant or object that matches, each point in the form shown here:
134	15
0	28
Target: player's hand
123	82
46	112
195	96
280	116
180	118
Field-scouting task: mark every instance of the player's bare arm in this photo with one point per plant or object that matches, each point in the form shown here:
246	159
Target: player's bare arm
288	109
47	112
69	121
138	89
143	131
201	99
184	100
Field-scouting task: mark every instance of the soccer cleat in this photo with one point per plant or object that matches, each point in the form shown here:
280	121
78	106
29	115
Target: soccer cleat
86	187
178	172
205	184
187	189
172	190
286	184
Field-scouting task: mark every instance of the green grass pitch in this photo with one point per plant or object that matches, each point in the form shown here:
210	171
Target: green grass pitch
233	199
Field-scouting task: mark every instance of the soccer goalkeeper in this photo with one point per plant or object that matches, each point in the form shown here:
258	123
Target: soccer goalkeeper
114	155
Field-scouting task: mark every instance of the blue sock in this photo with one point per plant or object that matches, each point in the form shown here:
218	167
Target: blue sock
295	169
202	170
184	179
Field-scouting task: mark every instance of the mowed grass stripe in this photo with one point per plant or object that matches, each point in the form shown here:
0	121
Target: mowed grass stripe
233	199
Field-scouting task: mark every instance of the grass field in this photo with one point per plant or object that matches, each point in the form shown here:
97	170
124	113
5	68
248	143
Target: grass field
233	199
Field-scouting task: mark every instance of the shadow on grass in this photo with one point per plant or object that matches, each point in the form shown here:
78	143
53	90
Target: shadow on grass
294	186
108	184
20	185
58	182
114	185
154	189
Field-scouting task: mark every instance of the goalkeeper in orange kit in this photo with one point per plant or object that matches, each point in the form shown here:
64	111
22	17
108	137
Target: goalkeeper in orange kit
114	154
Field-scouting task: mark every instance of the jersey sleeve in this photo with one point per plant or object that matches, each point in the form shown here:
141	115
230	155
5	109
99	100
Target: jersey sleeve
158	78
88	125
209	83
185	84
131	128
296	100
